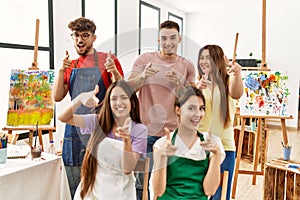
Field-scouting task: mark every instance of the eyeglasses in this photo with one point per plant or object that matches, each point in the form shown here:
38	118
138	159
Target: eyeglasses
84	36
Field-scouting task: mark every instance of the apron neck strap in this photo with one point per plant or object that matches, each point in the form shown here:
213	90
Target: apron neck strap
200	135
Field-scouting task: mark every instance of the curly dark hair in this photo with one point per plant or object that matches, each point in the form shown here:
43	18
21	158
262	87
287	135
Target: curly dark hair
82	24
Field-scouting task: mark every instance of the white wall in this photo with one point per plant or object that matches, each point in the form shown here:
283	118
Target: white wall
62	42
218	24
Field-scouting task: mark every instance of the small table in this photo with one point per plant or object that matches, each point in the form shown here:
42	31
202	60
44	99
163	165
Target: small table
260	128
34	180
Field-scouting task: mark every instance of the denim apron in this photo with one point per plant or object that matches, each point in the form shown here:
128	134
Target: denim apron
185	176
81	80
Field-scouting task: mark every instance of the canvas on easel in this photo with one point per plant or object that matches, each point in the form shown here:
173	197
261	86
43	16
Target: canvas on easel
30	98
265	93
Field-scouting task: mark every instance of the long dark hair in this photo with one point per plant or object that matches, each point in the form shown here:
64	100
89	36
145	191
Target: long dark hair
106	122
220	77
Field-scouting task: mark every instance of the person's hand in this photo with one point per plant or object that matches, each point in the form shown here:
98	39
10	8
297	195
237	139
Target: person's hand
66	62
124	131
172	77
168	149
204	82
89	99
149	71
233	68
110	64
209	144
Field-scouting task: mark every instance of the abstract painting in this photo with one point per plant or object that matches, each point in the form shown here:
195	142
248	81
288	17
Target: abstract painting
30	97
265	93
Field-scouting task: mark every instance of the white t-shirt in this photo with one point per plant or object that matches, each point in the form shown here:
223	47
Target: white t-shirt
196	152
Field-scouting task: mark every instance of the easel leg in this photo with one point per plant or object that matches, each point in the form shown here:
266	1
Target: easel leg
50	135
238	157
284	132
256	150
30	137
15	138
10	136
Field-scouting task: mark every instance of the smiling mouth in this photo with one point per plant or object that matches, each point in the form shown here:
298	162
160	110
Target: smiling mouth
120	109
195	122
80	46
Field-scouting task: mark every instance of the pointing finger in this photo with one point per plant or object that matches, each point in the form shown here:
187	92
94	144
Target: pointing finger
126	123
67	55
149	65
167	131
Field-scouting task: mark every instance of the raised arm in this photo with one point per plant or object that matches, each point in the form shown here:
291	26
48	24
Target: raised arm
130	158
136	79
88	99
160	157
211	180
60	89
236	87
111	67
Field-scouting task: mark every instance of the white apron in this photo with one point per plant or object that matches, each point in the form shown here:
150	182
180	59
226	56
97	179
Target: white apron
111	182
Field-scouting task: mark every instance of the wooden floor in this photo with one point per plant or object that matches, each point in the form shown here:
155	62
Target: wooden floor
245	189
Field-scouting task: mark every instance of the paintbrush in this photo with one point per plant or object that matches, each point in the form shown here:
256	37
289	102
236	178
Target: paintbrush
36	133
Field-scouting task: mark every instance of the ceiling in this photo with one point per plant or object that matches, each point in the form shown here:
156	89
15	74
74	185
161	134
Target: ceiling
191	6
187	6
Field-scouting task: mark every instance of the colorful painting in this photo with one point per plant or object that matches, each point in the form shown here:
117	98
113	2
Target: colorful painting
30	98
265	93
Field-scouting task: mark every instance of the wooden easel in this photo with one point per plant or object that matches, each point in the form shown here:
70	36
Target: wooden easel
13	138
260	140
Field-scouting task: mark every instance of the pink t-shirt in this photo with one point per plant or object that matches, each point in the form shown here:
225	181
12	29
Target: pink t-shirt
157	95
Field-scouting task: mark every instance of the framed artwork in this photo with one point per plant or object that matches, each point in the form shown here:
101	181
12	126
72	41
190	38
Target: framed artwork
30	97
265	93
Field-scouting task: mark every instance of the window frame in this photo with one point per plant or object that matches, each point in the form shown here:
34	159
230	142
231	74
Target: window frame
181	28
140	20
50	48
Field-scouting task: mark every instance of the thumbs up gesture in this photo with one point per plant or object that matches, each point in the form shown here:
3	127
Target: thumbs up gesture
89	99
168	149
110	64
66	62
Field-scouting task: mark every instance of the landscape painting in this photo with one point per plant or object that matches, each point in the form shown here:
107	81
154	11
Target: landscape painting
30	97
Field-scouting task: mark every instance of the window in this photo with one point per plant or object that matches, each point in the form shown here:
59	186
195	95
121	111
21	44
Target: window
104	14
18	37
148	24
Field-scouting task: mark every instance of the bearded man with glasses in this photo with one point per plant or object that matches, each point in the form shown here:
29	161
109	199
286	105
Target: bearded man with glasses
81	75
